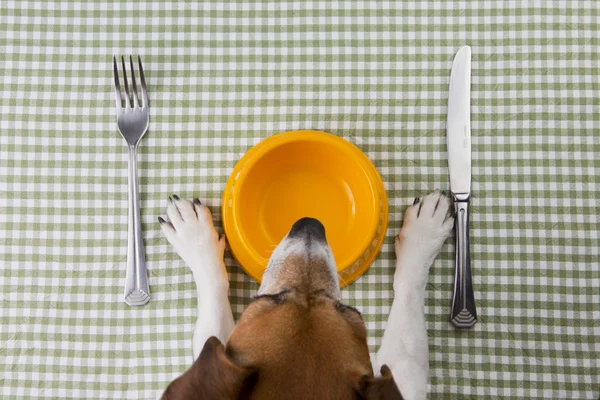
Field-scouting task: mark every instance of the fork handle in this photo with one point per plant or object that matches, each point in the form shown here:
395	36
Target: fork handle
137	292
464	313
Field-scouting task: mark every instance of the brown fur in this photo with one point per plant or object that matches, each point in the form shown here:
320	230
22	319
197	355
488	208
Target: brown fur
298	342
212	376
303	348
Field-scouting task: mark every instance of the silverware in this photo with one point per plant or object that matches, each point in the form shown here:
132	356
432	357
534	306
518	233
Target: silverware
464	313
133	120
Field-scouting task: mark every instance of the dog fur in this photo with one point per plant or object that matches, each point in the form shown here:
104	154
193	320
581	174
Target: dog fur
296	339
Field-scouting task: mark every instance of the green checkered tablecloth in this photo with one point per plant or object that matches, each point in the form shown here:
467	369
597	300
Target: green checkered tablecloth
224	75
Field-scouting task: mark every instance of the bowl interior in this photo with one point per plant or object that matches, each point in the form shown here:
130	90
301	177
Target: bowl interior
319	177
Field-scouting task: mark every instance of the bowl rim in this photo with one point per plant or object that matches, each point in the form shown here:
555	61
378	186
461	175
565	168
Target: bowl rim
246	254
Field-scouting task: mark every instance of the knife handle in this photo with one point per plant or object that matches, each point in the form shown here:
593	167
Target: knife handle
464	313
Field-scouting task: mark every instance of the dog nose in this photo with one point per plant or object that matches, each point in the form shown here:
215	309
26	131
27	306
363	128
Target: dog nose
308	226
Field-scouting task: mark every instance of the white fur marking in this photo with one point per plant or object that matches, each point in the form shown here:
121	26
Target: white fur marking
404	344
197	242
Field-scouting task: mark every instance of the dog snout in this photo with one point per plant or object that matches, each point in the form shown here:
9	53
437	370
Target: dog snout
308	227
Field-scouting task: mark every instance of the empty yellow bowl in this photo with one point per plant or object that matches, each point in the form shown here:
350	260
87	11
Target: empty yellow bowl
305	174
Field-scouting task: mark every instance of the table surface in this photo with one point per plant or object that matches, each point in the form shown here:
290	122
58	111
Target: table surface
224	75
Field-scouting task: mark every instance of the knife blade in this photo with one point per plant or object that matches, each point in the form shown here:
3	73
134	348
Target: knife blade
458	131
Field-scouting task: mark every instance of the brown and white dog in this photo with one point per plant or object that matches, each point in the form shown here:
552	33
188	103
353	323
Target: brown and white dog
296	340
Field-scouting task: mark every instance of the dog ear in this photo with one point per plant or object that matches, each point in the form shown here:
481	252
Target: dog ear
212	376
380	388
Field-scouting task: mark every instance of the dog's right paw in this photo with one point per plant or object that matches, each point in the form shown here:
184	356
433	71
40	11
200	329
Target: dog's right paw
191	231
427	225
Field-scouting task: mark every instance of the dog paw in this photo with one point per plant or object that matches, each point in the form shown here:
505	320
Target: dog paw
427	224
191	231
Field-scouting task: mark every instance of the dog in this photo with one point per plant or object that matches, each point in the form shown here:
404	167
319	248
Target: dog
296	340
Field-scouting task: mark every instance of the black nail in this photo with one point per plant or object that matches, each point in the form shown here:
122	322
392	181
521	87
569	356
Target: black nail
443	193
170	199
416	200
197	201
176	197
161	221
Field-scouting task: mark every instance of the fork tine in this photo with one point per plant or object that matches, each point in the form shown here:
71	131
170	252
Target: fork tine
143	80
117	86
135	92
125	82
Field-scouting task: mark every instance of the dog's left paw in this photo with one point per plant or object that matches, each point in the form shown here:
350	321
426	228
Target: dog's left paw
427	225
191	231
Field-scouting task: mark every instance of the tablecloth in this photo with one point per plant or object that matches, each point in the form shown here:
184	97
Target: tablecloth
224	75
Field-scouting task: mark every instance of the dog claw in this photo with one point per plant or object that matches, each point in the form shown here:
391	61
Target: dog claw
161	221
176	197
197	201
417	199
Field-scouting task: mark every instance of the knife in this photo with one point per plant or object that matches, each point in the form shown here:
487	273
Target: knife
458	130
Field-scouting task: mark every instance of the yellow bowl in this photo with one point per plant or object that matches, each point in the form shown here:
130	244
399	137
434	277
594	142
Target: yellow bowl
305	174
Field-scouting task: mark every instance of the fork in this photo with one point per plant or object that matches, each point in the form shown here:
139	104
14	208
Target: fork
133	120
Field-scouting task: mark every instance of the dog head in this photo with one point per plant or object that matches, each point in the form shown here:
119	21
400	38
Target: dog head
295	340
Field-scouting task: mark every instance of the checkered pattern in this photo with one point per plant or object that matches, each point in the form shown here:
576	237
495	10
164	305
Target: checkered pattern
224	75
